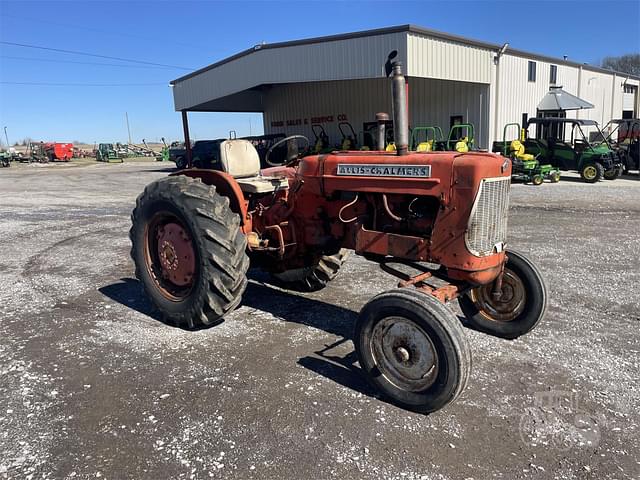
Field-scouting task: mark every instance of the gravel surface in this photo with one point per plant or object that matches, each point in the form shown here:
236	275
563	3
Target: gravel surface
93	386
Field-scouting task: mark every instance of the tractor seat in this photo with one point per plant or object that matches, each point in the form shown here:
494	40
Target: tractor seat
425	146
517	149
240	159
462	145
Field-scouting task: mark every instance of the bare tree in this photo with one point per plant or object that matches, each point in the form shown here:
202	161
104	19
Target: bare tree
626	63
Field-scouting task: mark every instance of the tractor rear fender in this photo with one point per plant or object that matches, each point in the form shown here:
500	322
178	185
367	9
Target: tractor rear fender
226	186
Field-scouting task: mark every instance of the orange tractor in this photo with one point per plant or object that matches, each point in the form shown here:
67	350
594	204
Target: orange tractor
196	233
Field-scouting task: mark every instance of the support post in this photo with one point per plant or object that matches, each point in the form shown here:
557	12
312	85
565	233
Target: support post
187	140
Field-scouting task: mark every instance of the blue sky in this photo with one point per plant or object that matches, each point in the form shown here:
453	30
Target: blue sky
195	34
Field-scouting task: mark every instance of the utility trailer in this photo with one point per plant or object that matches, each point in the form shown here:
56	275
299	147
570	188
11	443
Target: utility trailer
57	151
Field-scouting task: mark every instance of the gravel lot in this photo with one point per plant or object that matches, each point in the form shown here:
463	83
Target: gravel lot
92	385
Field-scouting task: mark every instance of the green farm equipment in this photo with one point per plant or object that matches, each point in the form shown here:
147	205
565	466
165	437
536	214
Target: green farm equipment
594	161
321	143
525	166
107	153
461	138
37	153
426	139
5	159
164	153
349	137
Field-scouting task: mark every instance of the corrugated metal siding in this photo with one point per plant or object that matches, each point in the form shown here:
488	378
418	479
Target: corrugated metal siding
354	58
432	102
597	88
517	95
435	58
359	100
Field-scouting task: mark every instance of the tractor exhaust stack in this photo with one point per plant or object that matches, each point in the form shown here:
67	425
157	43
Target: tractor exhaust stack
382	118
400	112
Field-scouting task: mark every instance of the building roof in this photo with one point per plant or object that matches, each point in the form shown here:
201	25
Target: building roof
398	29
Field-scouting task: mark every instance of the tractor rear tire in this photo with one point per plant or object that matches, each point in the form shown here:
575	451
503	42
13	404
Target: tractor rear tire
518	311
412	348
537	179
189	251
592	172
315	277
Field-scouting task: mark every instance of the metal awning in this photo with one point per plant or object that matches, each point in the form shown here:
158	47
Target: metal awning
558	99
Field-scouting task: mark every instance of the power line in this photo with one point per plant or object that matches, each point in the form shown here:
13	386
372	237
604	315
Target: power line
84	84
73	52
80	63
97	30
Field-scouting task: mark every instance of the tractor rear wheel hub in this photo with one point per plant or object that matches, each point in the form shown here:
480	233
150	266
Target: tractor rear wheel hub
177	257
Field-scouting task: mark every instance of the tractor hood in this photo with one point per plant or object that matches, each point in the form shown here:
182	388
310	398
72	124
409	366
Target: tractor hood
413	174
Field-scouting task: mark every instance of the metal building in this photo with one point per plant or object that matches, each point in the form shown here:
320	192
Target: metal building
328	80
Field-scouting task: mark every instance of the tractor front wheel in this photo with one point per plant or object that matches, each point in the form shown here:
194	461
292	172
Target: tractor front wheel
554	177
411	348
189	251
519	307
315	277
592	172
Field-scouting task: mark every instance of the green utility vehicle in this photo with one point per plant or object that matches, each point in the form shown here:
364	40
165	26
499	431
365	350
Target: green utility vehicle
5	159
525	167
593	161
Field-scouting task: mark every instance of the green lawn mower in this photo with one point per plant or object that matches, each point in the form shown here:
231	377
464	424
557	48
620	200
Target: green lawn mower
426	139
461	138
321	143
525	167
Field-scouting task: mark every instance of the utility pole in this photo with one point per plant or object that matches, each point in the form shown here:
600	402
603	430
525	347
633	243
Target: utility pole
126	115
6	137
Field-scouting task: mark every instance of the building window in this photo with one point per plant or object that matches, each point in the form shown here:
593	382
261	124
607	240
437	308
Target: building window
553	74
532	71
629	88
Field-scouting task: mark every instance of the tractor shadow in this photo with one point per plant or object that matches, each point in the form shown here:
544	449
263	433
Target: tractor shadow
330	361
163	170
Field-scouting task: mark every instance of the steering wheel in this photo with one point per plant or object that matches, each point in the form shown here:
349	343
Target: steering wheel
292	153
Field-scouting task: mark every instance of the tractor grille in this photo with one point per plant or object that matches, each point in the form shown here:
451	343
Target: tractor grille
487	231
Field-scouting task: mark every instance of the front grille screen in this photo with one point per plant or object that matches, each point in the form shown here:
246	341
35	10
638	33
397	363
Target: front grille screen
487	231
